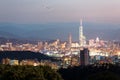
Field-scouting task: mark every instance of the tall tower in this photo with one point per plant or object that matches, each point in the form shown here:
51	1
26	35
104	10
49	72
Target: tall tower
82	40
70	40
80	33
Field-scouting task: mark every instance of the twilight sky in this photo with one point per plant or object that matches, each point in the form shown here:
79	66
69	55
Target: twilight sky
44	11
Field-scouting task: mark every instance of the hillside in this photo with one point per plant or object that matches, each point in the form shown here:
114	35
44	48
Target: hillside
20	55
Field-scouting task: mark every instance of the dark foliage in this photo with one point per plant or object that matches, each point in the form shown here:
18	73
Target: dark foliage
99	72
8	72
21	55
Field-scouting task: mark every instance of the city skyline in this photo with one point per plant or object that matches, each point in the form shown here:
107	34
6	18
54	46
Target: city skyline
59	39
53	31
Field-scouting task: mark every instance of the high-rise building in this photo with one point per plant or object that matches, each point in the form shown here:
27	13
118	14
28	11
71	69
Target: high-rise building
84	57
70	40
97	40
91	42
82	39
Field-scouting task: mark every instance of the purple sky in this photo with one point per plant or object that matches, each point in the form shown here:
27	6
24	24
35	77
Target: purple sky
44	11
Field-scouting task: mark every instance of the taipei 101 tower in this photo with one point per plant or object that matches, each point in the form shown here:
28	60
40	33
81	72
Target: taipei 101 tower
82	39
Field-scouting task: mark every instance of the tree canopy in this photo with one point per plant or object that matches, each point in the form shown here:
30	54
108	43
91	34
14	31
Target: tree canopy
8	72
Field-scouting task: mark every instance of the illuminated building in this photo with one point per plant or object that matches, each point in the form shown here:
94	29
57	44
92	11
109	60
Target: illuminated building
5	61
97	40
9	45
82	39
14	62
70	40
91	42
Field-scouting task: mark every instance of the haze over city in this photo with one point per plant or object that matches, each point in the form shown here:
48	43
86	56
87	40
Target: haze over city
56	19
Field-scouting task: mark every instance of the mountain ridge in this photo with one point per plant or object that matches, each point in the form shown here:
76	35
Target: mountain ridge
58	30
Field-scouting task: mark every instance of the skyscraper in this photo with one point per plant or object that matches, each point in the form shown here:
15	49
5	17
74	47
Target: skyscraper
70	40
82	39
84	57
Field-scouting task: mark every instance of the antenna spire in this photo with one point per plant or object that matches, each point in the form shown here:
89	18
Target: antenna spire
80	22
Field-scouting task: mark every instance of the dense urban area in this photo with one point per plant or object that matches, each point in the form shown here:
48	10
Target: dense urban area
57	60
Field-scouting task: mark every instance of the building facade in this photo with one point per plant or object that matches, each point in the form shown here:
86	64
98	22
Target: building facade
84	57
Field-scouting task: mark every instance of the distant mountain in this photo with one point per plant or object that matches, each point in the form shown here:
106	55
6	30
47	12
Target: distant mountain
22	55
51	31
7	34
